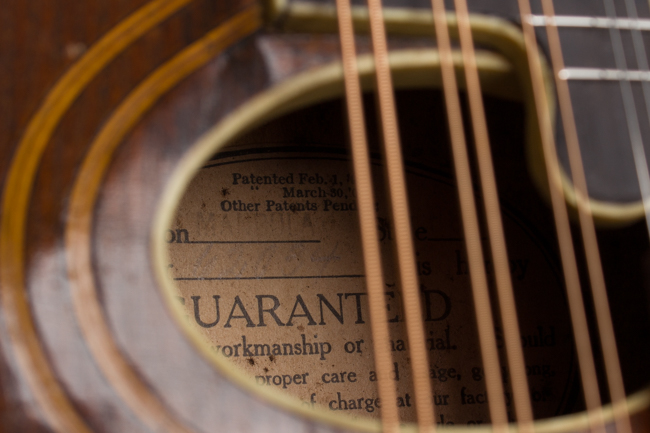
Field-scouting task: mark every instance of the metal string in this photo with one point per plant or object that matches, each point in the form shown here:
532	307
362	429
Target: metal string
588	230
567	252
402	222
389	125
514	350
367	221
400	212
485	322
640	160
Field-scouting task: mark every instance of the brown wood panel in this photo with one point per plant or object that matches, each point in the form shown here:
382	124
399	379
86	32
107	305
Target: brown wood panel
39	41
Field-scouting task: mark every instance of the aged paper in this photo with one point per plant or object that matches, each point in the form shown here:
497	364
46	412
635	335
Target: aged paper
266	257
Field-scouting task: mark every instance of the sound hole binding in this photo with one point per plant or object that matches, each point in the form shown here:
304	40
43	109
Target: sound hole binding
411	69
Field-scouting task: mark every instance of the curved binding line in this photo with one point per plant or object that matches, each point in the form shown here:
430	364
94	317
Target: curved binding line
78	236
587	229
411	68
469	217
414	68
509	319
18	187
487	31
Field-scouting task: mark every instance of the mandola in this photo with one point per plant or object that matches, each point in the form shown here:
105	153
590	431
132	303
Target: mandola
324	215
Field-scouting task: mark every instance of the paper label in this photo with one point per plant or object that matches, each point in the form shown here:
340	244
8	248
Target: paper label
266	256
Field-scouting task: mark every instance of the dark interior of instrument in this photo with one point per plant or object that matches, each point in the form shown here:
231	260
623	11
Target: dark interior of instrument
625	251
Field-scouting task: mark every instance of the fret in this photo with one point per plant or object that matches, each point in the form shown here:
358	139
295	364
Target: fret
589	22
603	74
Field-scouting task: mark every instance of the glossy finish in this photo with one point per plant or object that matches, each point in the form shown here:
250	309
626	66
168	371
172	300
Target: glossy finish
90	136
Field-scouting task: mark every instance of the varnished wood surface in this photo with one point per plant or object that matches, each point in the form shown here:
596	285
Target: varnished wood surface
153	362
55	379
35	54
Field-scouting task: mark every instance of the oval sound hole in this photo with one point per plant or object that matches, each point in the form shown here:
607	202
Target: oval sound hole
266	257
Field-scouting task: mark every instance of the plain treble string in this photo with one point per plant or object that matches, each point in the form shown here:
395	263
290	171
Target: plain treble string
640	159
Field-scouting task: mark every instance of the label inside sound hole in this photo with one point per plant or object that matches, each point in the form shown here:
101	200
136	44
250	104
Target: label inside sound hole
266	256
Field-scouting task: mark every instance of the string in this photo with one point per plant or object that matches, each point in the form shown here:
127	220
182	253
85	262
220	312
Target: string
588	230
562	226
510	323
487	340
367	221
612	363
391	134
640	160
402	222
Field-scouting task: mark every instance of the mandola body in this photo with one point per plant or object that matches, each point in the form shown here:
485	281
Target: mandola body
104	111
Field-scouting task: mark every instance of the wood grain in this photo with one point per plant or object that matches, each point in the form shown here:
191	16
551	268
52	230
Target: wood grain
78	231
55	169
99	100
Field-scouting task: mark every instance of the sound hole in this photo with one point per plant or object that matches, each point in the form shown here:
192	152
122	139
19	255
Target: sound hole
265	254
